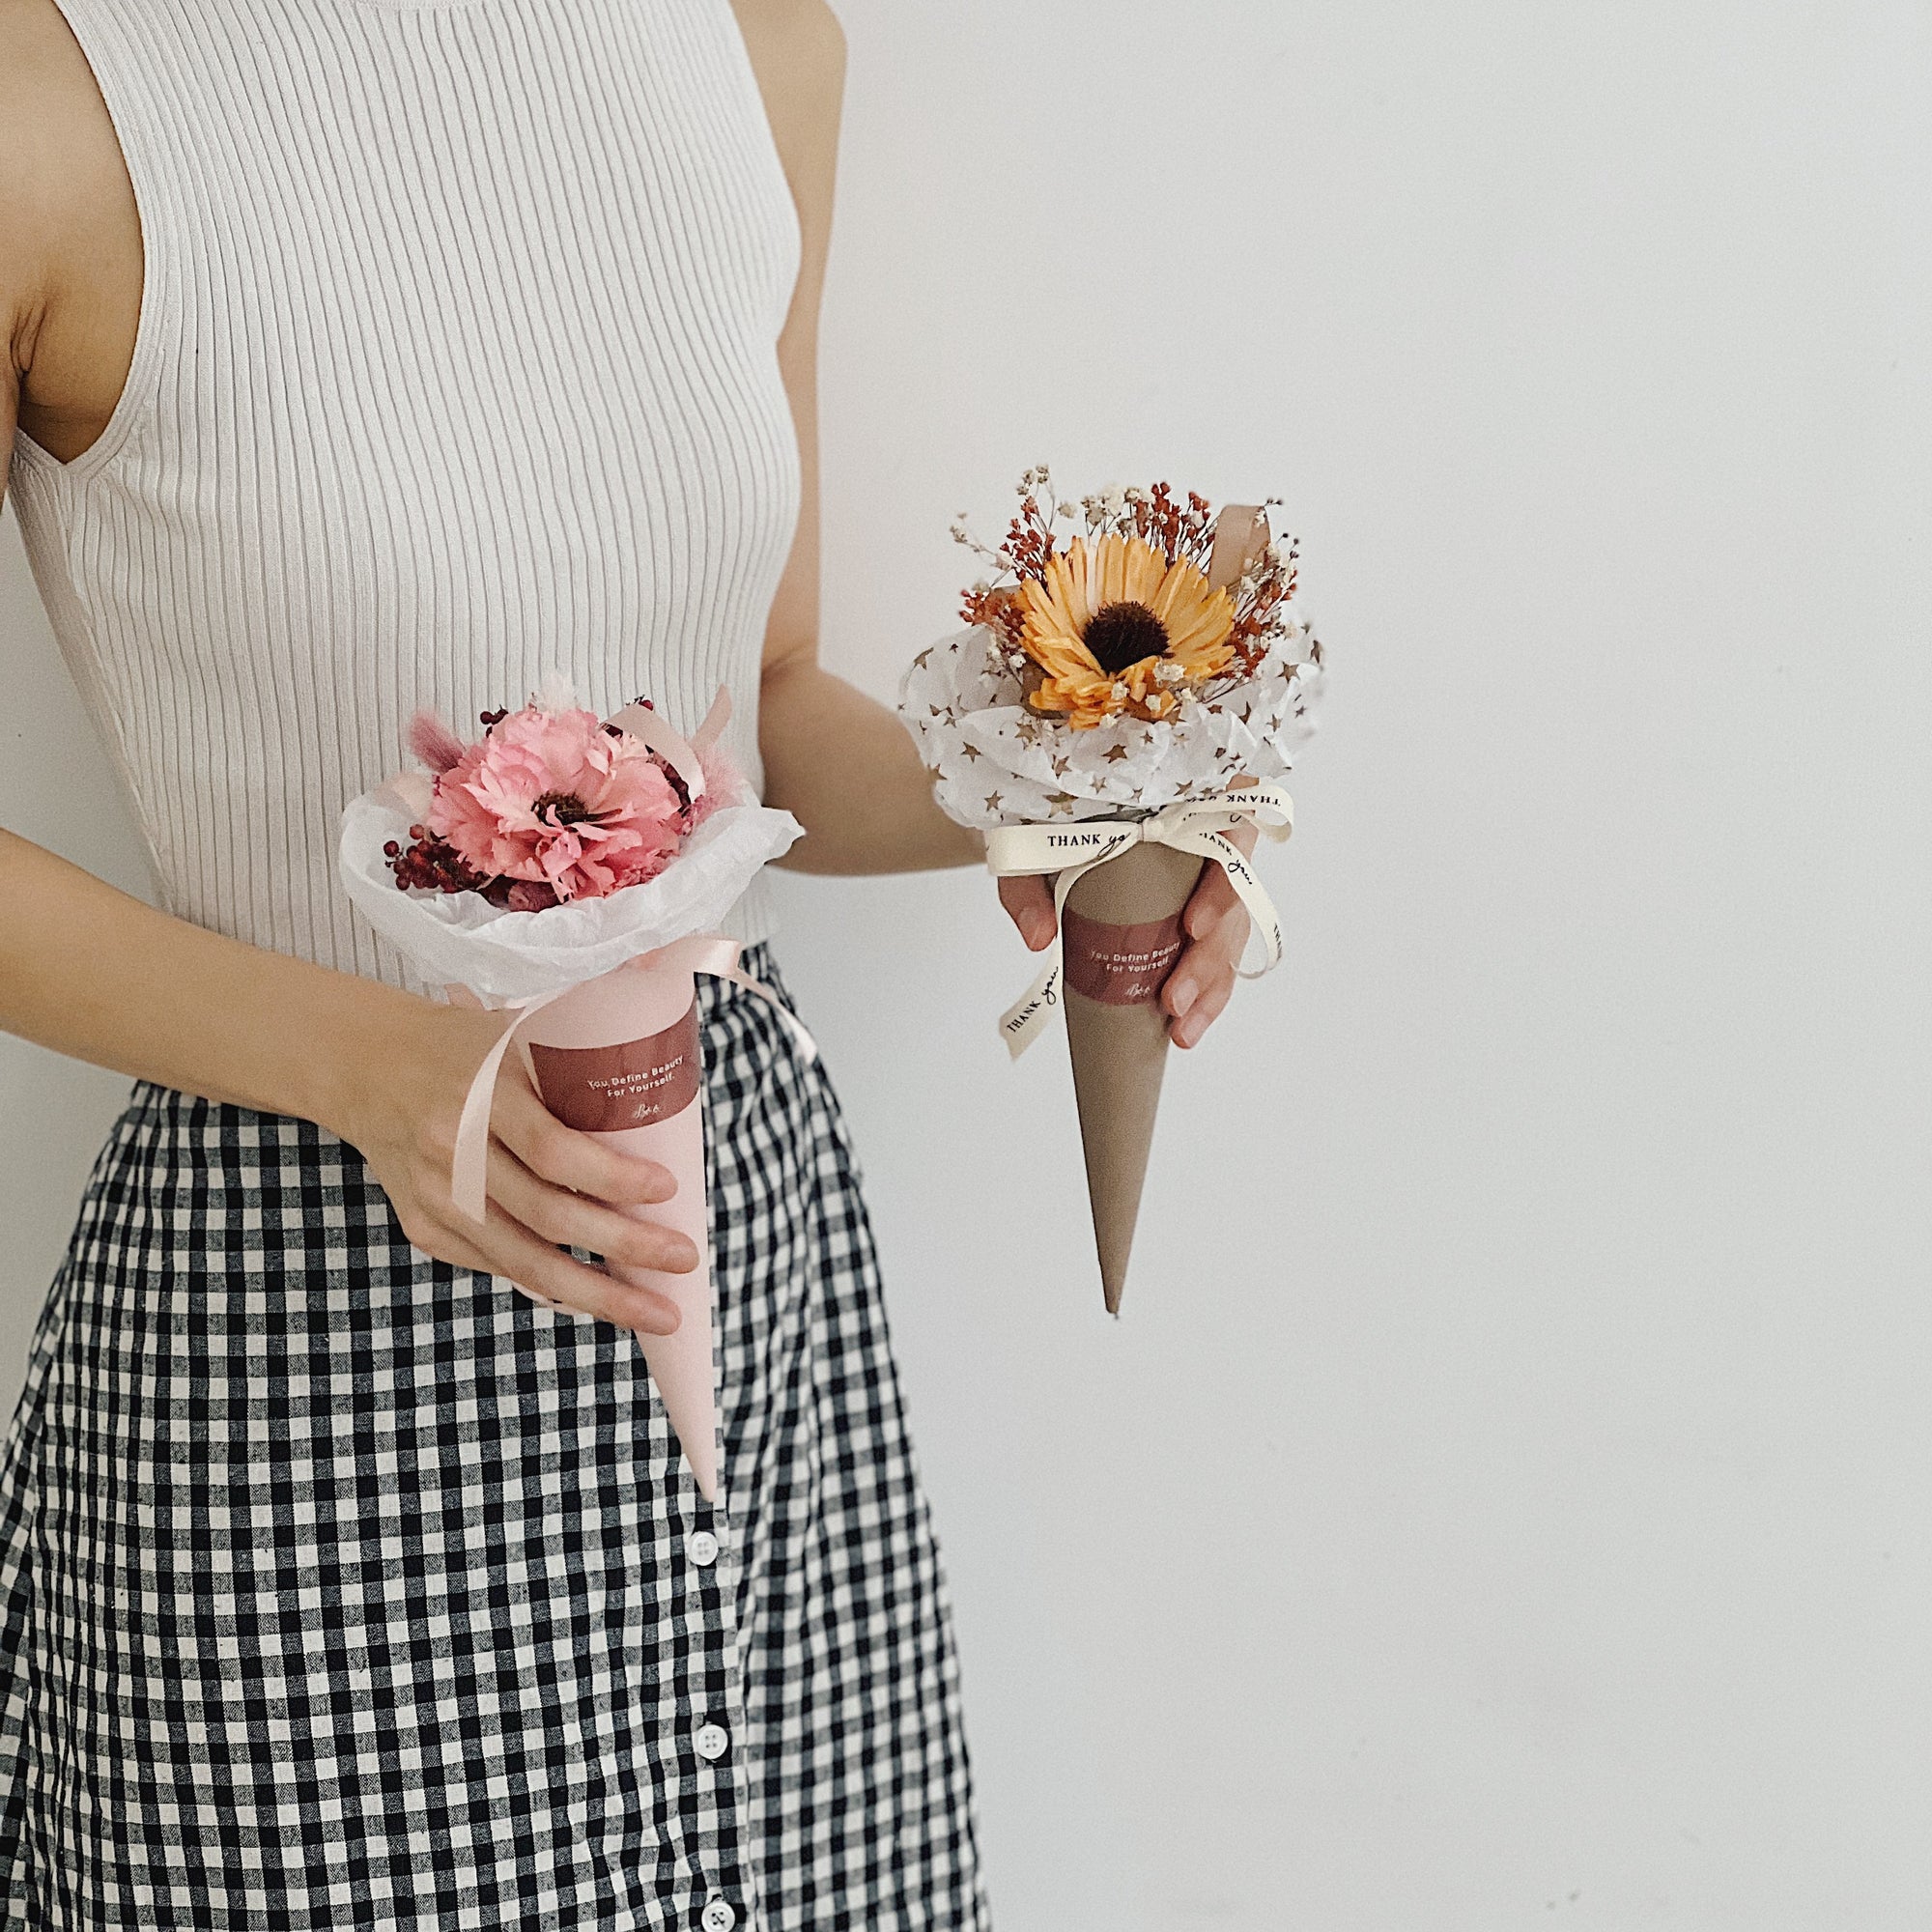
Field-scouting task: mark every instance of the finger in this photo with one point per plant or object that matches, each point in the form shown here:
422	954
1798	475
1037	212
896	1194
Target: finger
1030	902
1202	1011
510	1250
1196	967
581	1162
1210	903
463	1254
577	1221
1211	957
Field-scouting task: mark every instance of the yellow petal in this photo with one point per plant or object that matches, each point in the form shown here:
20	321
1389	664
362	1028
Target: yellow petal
1173	596
1080	596
1146	568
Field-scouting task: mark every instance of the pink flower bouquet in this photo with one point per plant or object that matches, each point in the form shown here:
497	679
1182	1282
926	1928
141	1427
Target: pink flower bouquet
572	871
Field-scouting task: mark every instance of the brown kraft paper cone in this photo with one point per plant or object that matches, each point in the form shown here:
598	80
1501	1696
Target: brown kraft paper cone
1115	1030
1122	935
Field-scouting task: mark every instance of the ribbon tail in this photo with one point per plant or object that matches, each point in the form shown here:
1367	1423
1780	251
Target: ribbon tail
715	719
1023	1022
1248	889
469	1168
715	955
469	1164
801	1039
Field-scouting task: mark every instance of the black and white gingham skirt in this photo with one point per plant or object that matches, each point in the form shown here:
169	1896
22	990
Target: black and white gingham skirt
342	1588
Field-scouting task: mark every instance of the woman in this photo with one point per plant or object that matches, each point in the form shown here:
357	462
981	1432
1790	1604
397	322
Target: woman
369	354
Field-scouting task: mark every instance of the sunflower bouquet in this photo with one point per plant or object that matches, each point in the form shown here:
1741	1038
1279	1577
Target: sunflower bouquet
1134	680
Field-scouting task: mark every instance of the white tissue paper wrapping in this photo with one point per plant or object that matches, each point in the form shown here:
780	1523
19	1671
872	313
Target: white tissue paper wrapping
995	761
461	939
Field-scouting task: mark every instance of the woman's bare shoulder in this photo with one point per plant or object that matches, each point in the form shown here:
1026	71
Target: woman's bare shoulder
57	146
800	29
798	52
70	235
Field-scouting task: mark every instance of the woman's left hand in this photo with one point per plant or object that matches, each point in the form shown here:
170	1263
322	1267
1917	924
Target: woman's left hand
1215	920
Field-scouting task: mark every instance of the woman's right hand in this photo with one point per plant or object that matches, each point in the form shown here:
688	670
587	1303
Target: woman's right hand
549	1185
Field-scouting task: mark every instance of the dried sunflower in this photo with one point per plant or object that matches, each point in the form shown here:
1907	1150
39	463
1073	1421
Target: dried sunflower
1116	626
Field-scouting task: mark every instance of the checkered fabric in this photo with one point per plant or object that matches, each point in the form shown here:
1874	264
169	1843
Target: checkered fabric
342	1588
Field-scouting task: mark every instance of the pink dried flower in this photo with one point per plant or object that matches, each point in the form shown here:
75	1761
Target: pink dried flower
552	798
724	785
433	741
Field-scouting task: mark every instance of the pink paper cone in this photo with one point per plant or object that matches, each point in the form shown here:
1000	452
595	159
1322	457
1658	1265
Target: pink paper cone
619	1057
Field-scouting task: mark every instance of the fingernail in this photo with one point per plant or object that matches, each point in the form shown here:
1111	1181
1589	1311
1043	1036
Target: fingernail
1039	931
1185	993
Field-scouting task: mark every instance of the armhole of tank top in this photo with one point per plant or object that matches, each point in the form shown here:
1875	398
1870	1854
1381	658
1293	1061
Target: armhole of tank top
141	384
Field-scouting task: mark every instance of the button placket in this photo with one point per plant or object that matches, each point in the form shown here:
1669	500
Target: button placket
725	1864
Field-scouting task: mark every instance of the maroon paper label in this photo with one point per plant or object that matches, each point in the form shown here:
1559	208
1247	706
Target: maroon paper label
1119	965
603	1089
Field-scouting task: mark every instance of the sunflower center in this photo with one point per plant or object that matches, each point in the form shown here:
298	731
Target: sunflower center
561	807
1119	635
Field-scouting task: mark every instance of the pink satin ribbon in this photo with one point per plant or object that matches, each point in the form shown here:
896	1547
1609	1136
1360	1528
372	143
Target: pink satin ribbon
710	952
686	758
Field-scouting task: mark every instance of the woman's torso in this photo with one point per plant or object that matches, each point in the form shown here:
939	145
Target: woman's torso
456	366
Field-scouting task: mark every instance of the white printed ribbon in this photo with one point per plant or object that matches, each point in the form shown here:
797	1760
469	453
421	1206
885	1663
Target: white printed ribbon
709	953
1074	849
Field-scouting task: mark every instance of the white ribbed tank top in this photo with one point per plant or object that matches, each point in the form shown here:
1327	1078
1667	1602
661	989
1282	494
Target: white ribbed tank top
457	365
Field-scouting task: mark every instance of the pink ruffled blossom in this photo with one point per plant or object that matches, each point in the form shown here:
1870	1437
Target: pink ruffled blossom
552	798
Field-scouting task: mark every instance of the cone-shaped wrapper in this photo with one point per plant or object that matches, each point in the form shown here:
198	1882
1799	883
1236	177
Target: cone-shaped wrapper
619	1057
1122	936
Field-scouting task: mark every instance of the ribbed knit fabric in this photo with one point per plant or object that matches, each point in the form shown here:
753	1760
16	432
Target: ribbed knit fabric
456	365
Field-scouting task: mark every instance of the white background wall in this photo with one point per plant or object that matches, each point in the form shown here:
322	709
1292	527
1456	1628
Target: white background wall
1505	1502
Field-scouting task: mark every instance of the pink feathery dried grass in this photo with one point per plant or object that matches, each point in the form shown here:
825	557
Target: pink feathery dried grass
433	742
724	785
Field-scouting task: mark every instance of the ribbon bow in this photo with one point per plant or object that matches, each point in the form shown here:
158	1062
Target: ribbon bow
1073	850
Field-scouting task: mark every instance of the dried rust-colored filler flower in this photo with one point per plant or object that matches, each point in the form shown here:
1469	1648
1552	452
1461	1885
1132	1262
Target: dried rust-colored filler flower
1119	619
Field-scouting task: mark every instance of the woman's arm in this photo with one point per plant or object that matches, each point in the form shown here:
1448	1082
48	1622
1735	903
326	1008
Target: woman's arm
90	972
837	760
